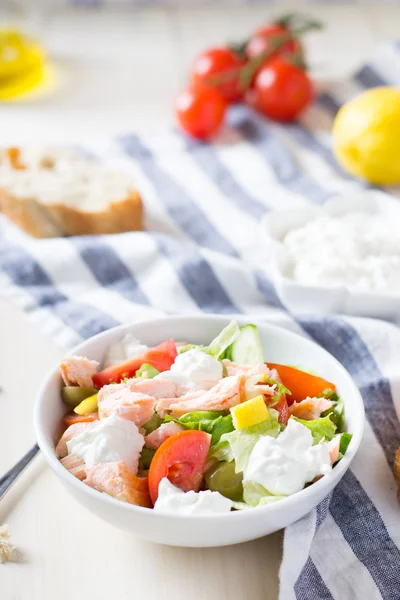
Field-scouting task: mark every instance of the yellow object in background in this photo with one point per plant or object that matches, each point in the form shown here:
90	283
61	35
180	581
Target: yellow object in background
22	64
249	413
366	136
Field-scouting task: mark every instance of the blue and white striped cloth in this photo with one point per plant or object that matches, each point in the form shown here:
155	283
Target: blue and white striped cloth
200	254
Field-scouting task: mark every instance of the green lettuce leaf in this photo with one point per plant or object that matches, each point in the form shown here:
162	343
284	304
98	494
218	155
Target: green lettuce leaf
213	422
345	440
336	413
153	424
146	457
147	370
320	428
254	494
238	444
281	389
217	348
228	335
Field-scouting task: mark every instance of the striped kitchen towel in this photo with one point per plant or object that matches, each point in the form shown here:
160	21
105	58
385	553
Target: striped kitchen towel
199	253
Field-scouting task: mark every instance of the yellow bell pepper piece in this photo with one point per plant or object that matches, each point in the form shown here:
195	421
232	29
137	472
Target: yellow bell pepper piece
249	413
87	406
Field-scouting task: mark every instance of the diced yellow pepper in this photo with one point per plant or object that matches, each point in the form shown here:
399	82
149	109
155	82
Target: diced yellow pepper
249	413
87	406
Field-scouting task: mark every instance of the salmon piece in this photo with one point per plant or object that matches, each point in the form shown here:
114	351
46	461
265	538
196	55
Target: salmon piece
333	447
118	481
118	398
158	388
78	370
69	433
310	408
255	381
164	405
158	436
247	370
75	465
229	392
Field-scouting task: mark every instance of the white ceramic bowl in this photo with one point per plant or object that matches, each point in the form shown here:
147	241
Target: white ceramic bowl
280	346
300	298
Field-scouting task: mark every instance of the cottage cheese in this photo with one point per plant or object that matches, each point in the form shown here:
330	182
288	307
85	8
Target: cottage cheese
358	250
173	500
109	440
283	465
195	369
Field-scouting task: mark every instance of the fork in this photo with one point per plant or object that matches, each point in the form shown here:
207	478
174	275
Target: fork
12	475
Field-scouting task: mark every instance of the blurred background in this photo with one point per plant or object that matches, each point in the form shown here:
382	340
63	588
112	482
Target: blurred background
113	65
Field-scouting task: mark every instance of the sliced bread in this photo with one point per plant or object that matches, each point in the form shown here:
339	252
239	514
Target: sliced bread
50	193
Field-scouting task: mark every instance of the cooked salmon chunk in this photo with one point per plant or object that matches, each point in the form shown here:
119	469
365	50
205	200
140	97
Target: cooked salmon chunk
247	370
158	388
158	436
77	370
72	431
310	408
120	399
229	392
118	481
333	447
164	405
75	465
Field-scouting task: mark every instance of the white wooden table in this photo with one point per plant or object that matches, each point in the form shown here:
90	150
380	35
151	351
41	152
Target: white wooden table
121	72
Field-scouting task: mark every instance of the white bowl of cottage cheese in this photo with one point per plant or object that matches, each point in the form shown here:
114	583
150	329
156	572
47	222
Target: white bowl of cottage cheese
343	257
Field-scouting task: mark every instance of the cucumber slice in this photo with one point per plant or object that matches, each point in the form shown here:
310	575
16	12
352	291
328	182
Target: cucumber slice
247	349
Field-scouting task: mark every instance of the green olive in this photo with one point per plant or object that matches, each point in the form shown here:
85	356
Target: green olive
223	479
75	395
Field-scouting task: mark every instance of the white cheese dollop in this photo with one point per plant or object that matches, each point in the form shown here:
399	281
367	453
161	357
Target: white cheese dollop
126	348
195	369
358	249
173	500
283	465
109	440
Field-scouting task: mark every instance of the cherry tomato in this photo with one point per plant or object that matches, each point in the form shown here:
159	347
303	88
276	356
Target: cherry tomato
71	418
219	62
262	37
181	458
160	357
200	111
300	383
281	90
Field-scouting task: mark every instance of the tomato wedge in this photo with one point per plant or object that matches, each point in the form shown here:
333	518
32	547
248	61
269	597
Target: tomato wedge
181	458
160	357
283	410
300	383
71	418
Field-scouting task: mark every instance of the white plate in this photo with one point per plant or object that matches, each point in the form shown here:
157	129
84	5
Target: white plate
279	346
298	297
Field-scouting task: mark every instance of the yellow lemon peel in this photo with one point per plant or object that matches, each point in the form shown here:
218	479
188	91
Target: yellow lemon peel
366	135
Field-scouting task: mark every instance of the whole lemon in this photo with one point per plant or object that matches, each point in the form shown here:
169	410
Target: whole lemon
366	136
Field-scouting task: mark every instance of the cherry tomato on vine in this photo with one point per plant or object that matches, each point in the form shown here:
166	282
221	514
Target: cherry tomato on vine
200	111
219	62
281	90
262	37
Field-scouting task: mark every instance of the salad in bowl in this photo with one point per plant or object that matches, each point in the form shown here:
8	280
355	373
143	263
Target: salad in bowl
181	428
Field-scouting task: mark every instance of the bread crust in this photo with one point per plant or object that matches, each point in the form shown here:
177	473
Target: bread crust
54	220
